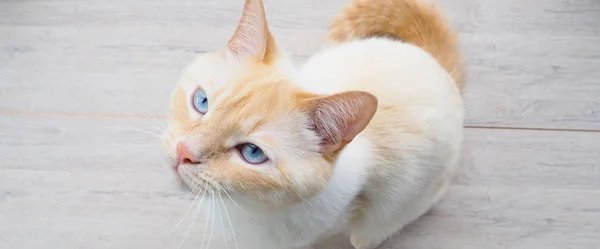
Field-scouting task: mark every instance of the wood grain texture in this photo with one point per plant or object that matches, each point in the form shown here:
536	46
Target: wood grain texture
79	171
81	182
529	64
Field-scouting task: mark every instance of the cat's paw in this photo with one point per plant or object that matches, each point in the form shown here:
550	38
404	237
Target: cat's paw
363	241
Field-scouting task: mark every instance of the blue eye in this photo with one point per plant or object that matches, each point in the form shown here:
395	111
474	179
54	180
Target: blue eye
200	101
252	153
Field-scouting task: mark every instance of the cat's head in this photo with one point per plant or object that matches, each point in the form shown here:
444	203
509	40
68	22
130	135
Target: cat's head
239	123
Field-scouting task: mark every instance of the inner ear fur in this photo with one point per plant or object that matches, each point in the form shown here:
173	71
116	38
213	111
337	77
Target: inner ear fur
252	38
338	118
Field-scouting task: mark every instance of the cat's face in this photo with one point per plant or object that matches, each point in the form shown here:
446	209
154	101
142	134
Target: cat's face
245	130
239	124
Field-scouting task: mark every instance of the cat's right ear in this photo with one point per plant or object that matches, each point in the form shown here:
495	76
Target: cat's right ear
252	38
338	118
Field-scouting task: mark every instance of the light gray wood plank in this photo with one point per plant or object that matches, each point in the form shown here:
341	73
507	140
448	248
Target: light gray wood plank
558	92
91	182
557	17
88	182
540	81
513	16
528	64
284	13
80	182
523	159
83	143
102	80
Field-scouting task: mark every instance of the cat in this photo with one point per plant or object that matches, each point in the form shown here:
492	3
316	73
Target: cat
361	140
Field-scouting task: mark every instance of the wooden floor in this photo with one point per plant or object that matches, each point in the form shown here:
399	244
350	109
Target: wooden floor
78	171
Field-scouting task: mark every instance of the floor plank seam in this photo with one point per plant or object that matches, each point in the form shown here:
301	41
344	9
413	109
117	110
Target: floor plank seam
118	116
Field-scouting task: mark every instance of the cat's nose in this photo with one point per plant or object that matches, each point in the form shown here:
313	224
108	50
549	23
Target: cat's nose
185	155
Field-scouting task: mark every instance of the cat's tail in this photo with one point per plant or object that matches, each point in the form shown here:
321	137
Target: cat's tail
414	21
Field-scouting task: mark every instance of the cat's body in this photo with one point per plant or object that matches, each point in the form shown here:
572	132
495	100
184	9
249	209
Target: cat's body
388	137
382	180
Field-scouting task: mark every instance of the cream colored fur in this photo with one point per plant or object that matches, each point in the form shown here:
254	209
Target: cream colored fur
384	178
373	194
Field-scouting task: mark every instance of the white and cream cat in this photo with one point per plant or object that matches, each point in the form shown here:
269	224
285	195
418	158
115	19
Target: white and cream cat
362	139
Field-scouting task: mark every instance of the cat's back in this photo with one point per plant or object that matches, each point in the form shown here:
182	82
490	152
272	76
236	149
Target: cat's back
376	65
413	141
420	111
400	75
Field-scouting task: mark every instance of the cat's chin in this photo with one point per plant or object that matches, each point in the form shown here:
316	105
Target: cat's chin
195	180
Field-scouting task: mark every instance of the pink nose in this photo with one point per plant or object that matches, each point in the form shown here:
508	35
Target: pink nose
185	155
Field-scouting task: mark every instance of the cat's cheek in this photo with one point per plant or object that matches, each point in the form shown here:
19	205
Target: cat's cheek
250	182
310	177
245	178
167	142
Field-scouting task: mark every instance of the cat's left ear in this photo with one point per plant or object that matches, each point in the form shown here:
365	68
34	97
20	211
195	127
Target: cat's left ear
338	118
252	38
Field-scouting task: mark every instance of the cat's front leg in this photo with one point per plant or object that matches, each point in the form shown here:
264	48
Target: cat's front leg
366	239
374	225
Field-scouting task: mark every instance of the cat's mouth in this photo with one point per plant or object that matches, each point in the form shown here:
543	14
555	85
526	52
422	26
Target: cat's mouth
195	179
181	161
176	166
192	176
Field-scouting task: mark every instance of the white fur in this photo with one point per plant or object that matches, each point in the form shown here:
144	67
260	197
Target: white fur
398	188
302	224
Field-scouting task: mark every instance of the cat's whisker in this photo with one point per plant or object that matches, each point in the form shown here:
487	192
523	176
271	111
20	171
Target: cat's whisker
191	192
238	206
212	226
156	135
229	219
151	133
222	223
205	225
155	118
188	210
193	220
152	125
144	120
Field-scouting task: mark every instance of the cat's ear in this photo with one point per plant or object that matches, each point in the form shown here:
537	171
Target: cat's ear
338	118
252	38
